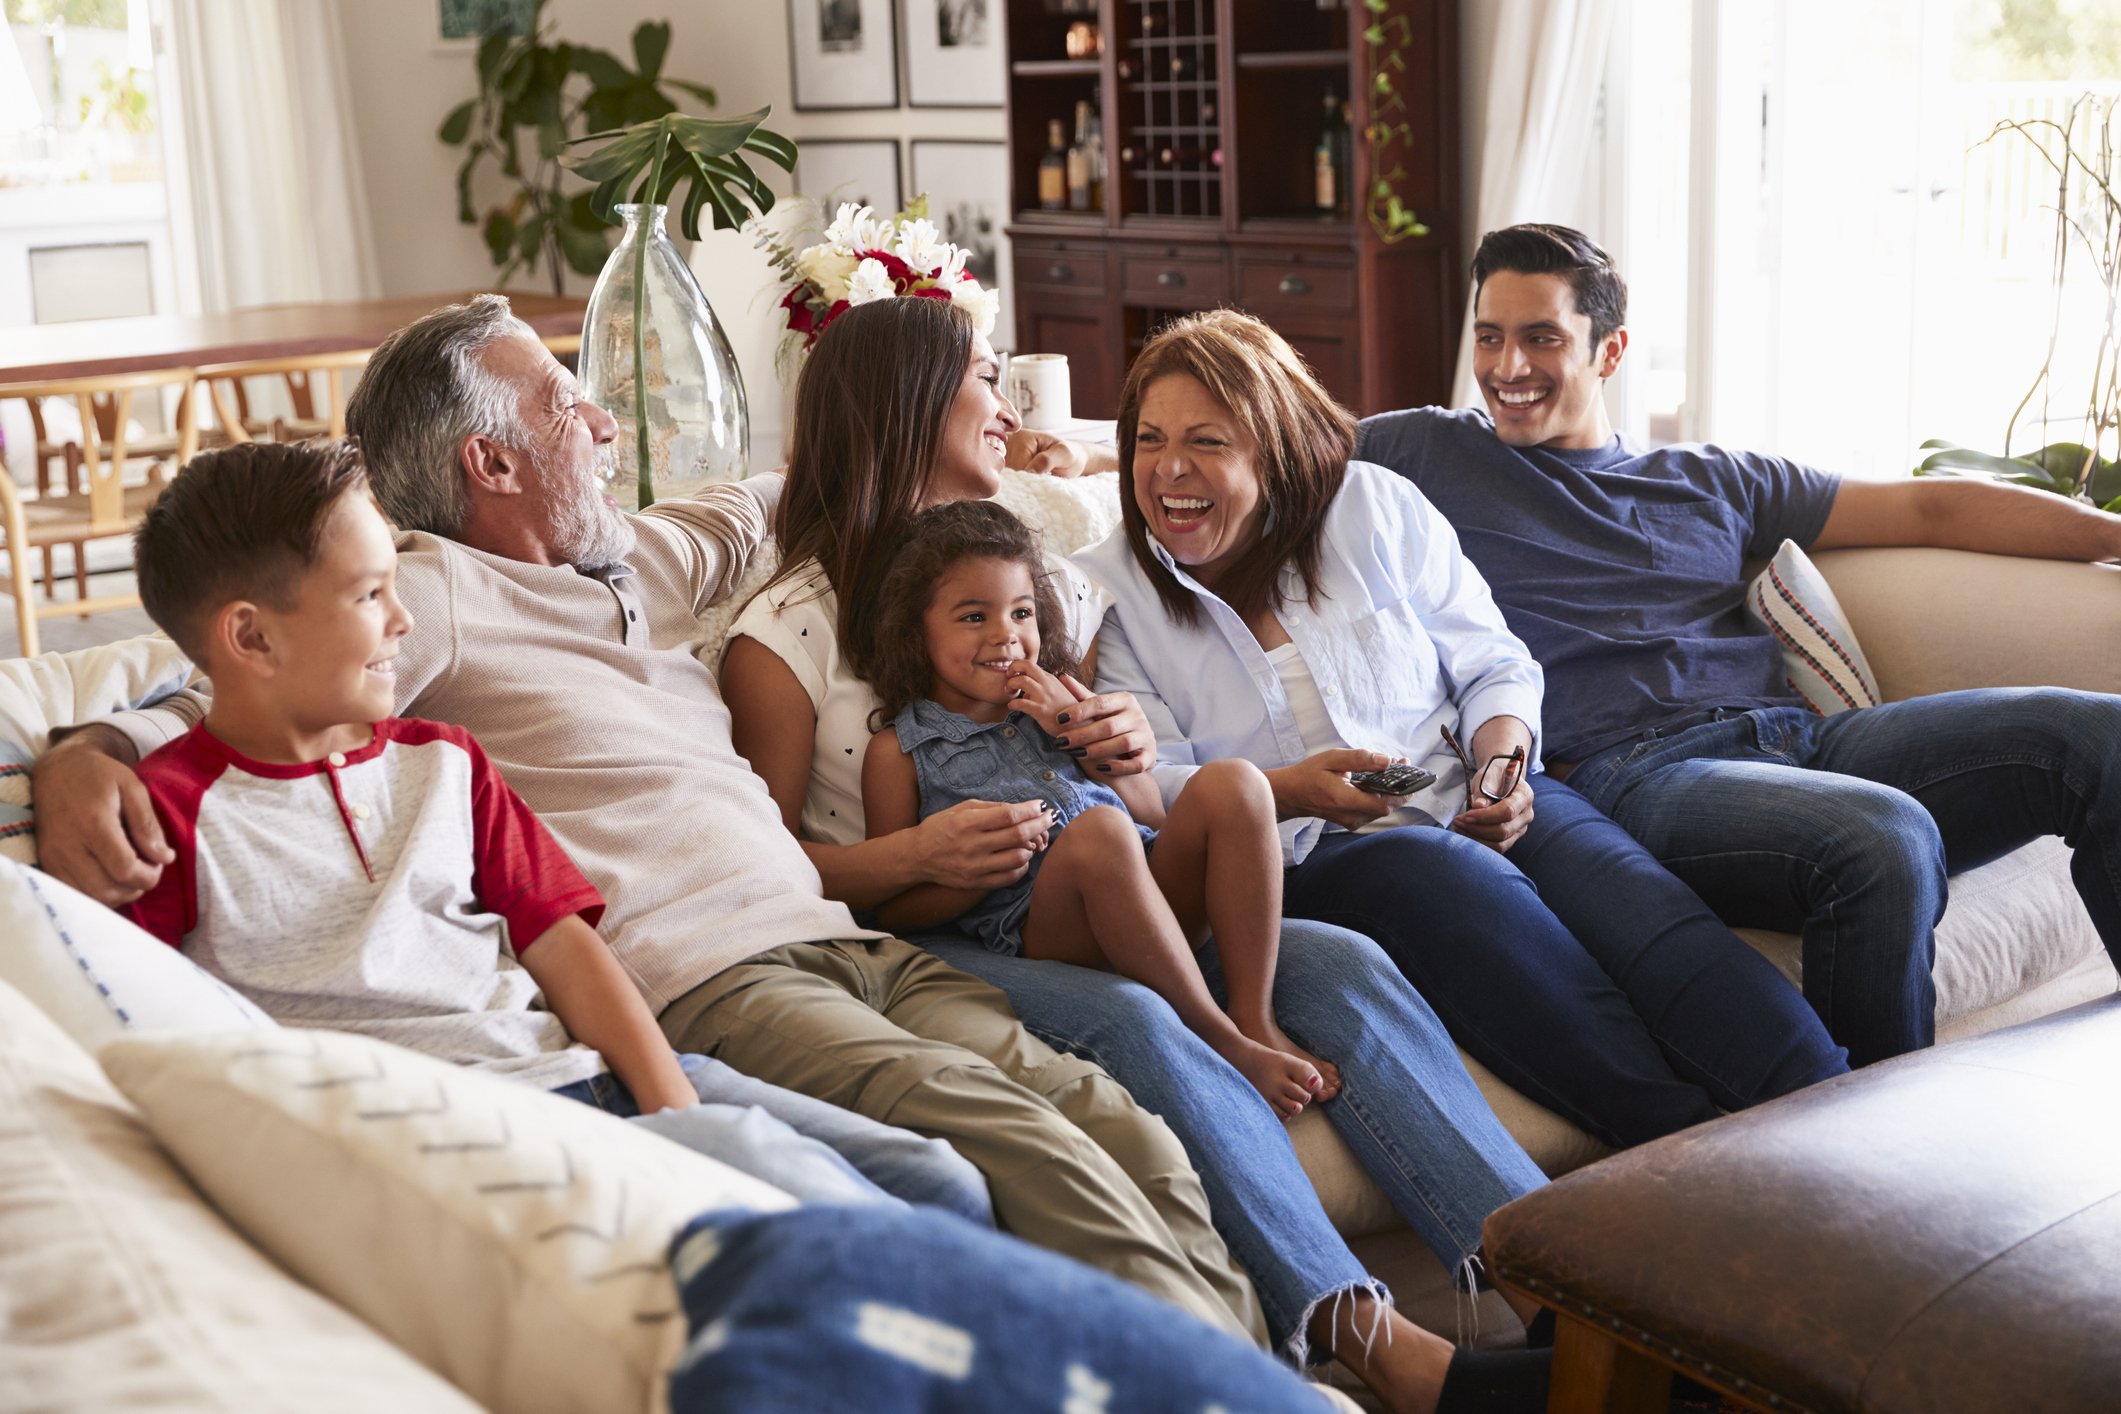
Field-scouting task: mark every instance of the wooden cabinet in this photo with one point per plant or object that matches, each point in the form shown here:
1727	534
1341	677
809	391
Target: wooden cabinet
1213	112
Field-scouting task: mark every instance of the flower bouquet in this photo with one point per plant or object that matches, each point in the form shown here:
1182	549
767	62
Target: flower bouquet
863	257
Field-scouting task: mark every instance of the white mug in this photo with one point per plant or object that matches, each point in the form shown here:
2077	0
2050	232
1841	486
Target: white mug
1038	385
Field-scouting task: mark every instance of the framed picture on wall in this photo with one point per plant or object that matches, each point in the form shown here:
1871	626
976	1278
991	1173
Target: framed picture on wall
954	53
863	171
844	54
967	185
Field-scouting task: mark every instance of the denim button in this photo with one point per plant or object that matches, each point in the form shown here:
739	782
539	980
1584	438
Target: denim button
1009	731
1045	775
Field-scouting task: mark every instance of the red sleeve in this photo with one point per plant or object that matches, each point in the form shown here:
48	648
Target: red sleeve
518	868
177	777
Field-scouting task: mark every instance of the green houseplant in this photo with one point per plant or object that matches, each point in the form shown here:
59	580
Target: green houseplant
2080	151
536	95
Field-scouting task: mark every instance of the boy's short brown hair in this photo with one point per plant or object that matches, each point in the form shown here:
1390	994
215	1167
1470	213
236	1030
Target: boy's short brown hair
241	522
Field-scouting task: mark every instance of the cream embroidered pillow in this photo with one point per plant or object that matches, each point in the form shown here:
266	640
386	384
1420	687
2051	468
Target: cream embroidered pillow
124	1289
1820	657
512	1241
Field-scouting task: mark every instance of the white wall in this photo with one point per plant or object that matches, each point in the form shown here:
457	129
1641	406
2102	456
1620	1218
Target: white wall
405	81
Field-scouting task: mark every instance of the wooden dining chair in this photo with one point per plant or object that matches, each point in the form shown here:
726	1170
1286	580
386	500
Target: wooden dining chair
304	375
105	505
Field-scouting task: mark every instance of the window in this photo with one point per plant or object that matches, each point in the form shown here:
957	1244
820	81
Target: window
1862	271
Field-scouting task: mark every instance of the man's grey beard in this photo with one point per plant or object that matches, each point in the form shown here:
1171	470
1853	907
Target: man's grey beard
587	533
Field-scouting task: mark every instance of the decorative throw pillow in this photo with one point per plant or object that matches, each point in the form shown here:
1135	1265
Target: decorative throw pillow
1820	658
126	1290
96	974
512	1241
63	689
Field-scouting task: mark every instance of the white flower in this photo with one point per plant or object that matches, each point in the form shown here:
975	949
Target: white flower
871	282
981	304
872	235
921	246
827	268
840	234
952	269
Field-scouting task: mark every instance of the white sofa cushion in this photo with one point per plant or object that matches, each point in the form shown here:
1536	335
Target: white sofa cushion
124	1290
60	689
97	975
514	1242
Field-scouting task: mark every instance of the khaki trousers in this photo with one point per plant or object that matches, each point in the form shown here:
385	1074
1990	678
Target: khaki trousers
1073	1164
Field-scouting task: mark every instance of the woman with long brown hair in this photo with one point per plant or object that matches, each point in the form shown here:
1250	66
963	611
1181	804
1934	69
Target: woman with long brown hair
1275	600
897	411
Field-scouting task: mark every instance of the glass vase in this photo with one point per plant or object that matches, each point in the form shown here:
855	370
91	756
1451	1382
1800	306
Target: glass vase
698	427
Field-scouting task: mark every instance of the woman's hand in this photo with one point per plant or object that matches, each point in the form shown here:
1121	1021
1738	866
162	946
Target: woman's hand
1317	786
1106	731
979	844
1044	454
1498	825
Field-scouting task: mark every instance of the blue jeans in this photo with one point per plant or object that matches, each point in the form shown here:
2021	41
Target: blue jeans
813	1151
1407	1107
1574	967
1843	828
876	1311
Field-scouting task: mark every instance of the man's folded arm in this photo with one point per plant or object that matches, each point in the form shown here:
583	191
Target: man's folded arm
719	530
96	825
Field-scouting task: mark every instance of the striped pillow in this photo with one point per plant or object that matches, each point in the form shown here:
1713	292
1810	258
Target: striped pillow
1820	657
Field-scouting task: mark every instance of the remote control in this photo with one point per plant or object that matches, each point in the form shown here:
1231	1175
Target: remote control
1400	779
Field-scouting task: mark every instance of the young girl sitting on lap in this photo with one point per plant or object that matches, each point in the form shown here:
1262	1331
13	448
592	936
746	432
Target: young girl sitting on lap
969	625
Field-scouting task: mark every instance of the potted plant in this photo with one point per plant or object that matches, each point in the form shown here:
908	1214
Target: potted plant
536	95
2080	150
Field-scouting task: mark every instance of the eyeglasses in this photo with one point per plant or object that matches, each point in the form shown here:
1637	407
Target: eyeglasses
1492	781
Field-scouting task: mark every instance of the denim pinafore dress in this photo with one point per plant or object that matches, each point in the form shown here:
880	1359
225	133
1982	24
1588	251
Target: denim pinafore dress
959	759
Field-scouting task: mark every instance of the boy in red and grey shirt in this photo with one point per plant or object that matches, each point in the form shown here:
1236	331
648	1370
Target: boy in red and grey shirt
351	870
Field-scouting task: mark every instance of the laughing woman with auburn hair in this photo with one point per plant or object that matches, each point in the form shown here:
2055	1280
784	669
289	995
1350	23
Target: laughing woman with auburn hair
897	410
1273	599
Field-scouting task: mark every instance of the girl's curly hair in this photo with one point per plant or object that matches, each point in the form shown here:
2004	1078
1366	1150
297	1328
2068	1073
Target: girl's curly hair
895	661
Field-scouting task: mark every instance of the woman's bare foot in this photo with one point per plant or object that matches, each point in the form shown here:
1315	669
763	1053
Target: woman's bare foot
1271	1036
1286	1082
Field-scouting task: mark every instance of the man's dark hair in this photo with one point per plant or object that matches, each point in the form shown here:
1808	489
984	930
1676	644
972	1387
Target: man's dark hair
1537	248
241	522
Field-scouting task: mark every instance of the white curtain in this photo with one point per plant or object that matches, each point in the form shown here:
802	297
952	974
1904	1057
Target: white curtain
273	197
1541	120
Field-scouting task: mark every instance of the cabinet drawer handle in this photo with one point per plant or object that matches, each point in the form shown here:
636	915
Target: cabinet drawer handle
1295	285
1060	272
1171	279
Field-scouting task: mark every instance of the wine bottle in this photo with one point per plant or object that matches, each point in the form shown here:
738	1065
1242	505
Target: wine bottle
1329	178
1094	148
1079	161
1207	111
1053	170
1184	66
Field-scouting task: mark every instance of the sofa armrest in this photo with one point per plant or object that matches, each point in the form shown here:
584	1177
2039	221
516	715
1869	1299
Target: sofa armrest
1938	620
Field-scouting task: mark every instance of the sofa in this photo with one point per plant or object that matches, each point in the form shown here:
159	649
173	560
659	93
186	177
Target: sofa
2015	944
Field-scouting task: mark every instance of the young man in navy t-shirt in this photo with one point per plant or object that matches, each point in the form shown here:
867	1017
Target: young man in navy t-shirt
1668	707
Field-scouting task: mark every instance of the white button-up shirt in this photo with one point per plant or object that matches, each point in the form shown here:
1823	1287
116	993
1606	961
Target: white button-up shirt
1404	640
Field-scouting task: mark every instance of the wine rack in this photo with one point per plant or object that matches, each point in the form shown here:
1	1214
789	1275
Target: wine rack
1215	130
1172	153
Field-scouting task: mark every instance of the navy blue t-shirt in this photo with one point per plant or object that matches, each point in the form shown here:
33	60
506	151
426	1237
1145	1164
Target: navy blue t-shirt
1620	570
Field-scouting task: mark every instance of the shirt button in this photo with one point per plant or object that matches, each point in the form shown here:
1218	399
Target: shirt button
1332	691
1045	775
360	812
1009	731
337	758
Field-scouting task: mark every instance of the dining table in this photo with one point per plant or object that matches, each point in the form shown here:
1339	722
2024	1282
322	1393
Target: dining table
90	348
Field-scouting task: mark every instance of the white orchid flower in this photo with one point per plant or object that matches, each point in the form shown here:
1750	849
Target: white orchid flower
982	305
849	219
871	282
921	246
